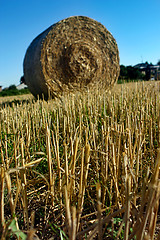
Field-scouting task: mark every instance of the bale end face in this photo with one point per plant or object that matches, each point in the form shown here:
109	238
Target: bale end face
75	53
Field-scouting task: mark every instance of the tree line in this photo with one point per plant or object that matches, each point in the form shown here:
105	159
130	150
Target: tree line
12	91
129	73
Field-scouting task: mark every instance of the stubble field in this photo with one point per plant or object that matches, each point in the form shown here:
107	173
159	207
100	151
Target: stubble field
85	166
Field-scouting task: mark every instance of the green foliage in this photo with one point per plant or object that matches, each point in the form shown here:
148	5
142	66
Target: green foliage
55	228
114	227
17	232
128	73
42	167
12	87
12	91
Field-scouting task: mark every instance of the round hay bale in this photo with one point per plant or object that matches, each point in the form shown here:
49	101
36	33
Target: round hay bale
73	54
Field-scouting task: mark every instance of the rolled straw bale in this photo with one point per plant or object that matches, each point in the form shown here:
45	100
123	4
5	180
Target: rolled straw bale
74	53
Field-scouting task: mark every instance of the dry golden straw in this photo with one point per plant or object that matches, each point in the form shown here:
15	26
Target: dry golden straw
74	53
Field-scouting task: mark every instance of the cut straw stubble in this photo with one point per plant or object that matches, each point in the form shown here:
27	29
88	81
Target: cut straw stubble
49	159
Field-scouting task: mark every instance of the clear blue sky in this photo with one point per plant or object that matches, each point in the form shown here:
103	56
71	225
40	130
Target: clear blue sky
134	24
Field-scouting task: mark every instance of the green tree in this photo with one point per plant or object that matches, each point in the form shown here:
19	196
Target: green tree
130	73
12	91
12	87
123	72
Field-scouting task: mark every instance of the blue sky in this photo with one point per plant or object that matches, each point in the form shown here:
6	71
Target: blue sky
134	24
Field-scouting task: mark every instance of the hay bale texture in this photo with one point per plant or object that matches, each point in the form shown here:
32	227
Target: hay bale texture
74	53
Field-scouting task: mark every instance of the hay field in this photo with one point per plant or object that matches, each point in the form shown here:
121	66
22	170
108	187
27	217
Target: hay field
85	166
